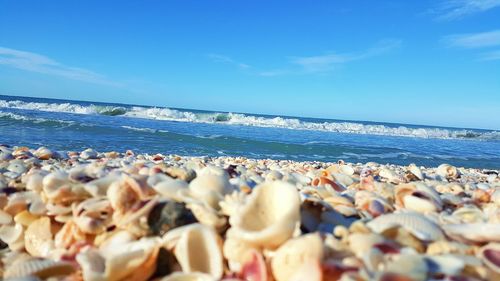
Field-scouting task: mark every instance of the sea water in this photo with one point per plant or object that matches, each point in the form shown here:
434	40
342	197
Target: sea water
67	125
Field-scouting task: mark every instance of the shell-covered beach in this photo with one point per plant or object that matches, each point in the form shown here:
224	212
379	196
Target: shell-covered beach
89	215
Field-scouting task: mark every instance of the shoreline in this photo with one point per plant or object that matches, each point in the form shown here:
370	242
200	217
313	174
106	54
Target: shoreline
100	215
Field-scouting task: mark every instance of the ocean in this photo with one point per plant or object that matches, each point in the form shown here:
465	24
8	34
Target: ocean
66	125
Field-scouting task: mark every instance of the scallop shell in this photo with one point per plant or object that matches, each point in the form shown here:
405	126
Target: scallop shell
269	216
291	255
199	250
415	223
41	268
38	238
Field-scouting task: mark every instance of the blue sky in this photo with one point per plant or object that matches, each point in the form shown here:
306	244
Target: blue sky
422	62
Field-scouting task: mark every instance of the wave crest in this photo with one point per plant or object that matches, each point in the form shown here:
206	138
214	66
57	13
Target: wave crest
157	113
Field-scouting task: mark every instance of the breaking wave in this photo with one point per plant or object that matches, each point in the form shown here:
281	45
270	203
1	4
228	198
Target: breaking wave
159	113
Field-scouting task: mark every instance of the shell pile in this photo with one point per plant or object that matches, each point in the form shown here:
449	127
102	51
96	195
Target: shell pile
125	216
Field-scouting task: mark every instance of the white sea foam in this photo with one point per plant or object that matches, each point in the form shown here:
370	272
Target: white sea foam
157	113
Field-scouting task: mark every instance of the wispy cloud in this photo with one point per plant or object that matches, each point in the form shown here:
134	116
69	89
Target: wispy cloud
448	10
327	62
474	40
225	59
41	64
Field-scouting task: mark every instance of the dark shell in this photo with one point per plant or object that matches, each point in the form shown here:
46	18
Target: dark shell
166	263
168	215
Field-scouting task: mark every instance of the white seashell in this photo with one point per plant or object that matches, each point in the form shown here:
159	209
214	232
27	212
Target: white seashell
418	197
54	180
269	216
11	233
361	243
206	215
415	223
99	187
17	167
88	154
210	188
41	268
447	171
390	175
193	276
34	182
473	232
410	265
171	188
5	218
199	250
291	255
128	261
415	170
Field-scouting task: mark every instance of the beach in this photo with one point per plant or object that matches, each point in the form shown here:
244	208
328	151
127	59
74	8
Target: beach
95	215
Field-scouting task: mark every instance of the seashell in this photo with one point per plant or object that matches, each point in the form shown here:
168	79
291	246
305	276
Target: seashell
413	267
390	176
273	176
99	187
38	238
207	216
25	218
447	171
89	154
13	236
469	214
361	243
5	218
292	254
121	262
231	203
43	153
418	225
41	268
168	215
181	173
490	255
415	170
324	181
473	232
199	250
193	276
17	166
34	181
255	267
171	188
418	197
210	188
269	216
312	270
